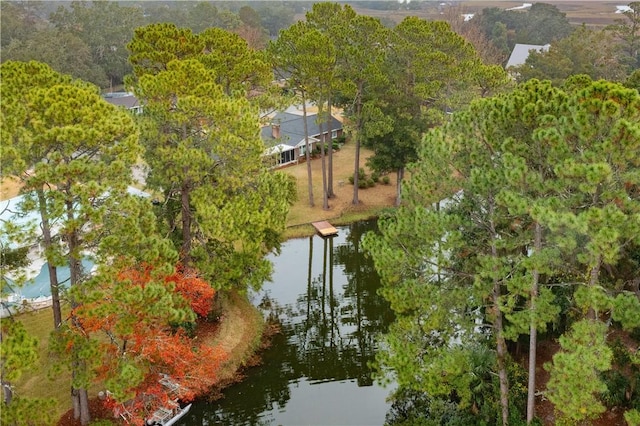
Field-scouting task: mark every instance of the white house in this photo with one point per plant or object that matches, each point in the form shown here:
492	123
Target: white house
521	52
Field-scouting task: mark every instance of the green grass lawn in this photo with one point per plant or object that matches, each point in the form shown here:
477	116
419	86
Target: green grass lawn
40	382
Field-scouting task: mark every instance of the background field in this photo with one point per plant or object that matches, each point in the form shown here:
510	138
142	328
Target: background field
591	12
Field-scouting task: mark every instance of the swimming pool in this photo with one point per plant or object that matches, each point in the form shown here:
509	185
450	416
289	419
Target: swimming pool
37	290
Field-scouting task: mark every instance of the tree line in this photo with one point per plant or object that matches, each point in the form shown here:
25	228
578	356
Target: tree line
88	39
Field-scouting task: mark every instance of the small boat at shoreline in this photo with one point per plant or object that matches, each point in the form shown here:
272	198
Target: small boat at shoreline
165	416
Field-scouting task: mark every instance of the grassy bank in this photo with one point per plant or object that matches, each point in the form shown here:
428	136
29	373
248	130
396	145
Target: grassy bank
239	334
39	382
306	229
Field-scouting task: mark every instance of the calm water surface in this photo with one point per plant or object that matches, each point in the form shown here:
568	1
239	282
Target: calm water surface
316	371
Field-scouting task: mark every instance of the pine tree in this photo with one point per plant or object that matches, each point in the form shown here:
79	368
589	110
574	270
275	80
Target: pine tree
539	188
220	204
431	71
593	220
75	151
306	57
327	18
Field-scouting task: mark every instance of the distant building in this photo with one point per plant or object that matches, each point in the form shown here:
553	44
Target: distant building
124	99
520	53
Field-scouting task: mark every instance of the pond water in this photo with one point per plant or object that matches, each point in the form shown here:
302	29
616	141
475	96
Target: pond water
316	372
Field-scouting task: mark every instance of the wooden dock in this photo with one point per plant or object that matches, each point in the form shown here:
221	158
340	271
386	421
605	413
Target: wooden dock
325	229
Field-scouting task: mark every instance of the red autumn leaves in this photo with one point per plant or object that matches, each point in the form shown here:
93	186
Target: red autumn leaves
141	323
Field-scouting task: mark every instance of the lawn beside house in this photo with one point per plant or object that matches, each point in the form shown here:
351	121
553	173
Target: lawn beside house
341	210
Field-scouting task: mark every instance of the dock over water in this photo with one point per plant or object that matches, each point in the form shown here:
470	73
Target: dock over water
325	229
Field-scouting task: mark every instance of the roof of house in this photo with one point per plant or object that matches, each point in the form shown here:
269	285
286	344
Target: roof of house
520	53
124	99
292	128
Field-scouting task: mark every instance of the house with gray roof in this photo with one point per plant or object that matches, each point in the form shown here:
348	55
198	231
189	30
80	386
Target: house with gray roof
285	140
125	100
521	52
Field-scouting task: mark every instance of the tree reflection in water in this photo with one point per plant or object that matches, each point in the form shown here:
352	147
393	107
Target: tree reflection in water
331	314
